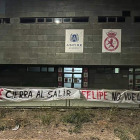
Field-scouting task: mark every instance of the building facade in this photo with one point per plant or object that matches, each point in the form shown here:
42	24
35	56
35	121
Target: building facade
32	44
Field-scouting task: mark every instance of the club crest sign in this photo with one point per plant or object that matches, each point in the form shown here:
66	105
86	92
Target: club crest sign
74	40
74	37
111	40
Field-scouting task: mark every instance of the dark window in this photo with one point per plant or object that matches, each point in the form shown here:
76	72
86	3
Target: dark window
49	20
120	19
111	19
136	19
80	19
126	13
102	19
40	20
100	70
108	70
43	69
9	68
27	20
66	20
33	69
6	20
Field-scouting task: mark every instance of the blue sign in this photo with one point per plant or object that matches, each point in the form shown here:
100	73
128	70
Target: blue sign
74	37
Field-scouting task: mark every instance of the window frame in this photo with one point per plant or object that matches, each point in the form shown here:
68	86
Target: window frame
28	22
79	22
102	17
48	22
112	21
67	22
136	17
33	67
51	71
120	21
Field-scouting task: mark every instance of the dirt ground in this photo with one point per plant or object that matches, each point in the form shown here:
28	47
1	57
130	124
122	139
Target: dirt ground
70	124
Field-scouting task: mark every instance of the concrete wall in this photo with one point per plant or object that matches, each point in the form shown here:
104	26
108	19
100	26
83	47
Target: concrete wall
44	43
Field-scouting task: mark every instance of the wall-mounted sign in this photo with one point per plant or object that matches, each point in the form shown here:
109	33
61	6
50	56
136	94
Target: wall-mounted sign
74	40
59	69
85	78
111	40
59	84
85	74
85	84
59	79
72	70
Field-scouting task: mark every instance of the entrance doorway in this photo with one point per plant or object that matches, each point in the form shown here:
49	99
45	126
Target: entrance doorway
73	77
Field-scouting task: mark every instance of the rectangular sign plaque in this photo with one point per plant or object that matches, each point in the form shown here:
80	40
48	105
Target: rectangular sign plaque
74	40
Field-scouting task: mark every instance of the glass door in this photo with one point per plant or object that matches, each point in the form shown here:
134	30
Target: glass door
77	80
134	78
73	77
73	80
68	80
137	82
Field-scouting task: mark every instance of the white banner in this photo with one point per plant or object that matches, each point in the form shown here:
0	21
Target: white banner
112	96
25	94
28	94
74	40
111	40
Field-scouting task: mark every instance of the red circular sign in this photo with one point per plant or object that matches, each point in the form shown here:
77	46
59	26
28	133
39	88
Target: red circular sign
111	43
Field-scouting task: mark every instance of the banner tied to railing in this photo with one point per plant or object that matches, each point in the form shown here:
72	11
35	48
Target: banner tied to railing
110	96
26	94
